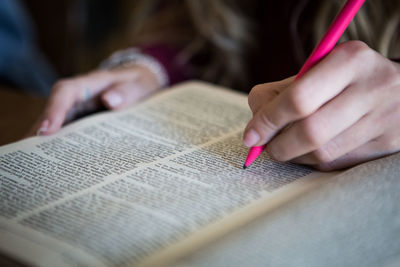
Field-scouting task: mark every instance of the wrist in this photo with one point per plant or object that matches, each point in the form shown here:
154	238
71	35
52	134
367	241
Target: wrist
133	57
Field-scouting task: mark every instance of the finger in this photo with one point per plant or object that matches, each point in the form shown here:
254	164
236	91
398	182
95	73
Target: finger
369	151
379	124
351	140
123	94
65	97
60	102
38	127
306	95
92	84
264	93
324	125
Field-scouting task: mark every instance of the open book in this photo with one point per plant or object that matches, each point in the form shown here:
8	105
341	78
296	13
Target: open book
141	187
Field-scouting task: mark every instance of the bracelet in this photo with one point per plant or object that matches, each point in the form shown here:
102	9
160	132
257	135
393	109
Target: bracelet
133	56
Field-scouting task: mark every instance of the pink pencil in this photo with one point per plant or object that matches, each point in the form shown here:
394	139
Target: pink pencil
326	44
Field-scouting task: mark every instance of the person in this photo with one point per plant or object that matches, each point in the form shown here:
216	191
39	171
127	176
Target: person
344	111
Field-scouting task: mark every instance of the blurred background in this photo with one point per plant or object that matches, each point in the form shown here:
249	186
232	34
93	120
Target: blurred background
44	40
75	35
58	38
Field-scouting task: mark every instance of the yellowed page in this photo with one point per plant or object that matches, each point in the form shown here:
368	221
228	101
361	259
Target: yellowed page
234	221
118	188
352	220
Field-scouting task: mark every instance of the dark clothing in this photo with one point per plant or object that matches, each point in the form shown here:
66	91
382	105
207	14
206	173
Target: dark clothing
21	64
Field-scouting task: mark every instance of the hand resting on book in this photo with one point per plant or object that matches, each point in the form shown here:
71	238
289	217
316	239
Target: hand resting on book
344	111
114	89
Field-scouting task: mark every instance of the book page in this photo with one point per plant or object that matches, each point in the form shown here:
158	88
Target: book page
353	220
116	188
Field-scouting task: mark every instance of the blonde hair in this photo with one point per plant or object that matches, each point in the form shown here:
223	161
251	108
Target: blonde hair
216	36
377	24
214	33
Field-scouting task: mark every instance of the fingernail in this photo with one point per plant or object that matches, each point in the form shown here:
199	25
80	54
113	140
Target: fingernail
43	127
113	99
251	138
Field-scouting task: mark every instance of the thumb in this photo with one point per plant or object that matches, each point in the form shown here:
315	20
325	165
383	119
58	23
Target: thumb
262	94
260	128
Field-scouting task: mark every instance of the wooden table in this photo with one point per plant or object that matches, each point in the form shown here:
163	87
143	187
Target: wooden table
18	112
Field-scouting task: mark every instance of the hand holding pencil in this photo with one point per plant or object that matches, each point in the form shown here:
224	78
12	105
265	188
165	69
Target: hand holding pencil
330	116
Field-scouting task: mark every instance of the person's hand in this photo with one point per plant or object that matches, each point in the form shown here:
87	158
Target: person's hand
344	111
114	89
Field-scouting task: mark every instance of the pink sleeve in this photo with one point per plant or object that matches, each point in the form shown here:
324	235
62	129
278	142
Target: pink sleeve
167	56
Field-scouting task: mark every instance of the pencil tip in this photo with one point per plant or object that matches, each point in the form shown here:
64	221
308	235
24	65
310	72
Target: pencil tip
244	166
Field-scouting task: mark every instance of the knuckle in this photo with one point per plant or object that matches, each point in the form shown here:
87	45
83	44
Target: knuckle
62	85
256	89
322	156
253	97
354	50
266	121
297	101
389	77
390	144
312	133
99	74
